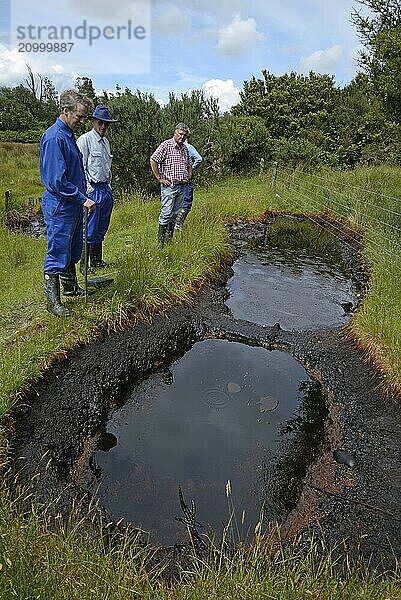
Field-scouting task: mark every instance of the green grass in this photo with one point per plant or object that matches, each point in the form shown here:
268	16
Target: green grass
67	561
53	558
19	173
368	201
148	280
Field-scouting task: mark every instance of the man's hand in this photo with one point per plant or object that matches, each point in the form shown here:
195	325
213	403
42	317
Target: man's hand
165	181
90	205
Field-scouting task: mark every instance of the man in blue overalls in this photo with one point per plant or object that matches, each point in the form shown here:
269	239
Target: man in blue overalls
63	176
96	155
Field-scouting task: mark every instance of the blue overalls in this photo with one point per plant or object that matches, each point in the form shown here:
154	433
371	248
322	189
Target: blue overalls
99	220
63	176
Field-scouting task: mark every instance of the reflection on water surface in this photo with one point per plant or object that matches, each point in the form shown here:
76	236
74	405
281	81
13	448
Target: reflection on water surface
298	289
224	411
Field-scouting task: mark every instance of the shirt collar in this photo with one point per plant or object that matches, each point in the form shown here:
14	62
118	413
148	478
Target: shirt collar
97	136
176	143
65	127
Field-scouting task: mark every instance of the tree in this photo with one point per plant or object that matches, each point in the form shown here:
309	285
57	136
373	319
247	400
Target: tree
291	105
41	88
380	33
386	15
84	85
357	121
385	70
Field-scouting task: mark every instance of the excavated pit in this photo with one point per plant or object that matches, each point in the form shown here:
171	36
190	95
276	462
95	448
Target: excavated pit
224	412
66	415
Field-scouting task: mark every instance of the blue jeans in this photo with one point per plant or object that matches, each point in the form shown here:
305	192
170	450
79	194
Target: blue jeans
99	219
64	233
172	198
188	196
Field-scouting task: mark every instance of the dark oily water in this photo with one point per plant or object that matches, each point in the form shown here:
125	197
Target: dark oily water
224	411
293	287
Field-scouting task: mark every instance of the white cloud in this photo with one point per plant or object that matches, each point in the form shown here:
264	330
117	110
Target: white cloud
321	61
224	91
171	21
235	39
13	69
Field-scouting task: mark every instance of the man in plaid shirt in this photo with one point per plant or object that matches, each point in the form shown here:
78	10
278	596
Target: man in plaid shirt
172	166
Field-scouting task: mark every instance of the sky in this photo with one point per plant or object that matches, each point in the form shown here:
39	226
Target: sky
163	46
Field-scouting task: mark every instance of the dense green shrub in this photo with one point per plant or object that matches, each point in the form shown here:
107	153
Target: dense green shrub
240	143
297	152
20	110
134	138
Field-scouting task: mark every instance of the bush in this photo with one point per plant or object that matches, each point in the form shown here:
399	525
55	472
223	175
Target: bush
297	152
241	142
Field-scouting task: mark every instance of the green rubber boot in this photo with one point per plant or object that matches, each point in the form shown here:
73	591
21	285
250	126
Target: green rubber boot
52	295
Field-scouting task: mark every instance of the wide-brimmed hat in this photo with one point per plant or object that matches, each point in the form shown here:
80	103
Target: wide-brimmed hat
102	113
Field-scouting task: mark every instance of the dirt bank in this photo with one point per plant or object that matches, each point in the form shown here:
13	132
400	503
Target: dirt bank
57	426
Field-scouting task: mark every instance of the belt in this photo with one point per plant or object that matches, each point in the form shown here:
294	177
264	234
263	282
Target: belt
97	182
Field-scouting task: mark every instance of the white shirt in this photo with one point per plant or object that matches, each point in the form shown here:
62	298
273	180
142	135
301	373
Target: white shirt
97	158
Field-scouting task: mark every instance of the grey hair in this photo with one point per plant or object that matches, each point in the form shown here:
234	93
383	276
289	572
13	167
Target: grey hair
182	126
71	98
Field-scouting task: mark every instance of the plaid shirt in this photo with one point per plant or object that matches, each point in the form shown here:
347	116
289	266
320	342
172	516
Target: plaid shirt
173	161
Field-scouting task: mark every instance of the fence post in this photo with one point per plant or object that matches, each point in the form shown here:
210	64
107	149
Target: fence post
274	178
7	201
261	166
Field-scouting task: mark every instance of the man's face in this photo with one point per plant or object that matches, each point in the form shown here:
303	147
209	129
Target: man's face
100	126
180	136
75	118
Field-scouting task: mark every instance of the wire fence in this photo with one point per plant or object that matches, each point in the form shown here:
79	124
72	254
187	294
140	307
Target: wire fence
374	220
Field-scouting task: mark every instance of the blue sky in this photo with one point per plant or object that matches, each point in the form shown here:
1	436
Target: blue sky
180	45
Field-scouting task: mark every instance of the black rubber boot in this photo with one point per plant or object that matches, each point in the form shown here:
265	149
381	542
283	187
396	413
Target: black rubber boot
52	295
70	283
90	271
179	222
170	232
161	235
96	259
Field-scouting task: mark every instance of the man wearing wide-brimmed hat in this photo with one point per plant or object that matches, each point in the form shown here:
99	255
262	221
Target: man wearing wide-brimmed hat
97	158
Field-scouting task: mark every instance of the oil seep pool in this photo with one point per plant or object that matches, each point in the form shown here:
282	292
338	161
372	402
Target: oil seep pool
301	286
224	411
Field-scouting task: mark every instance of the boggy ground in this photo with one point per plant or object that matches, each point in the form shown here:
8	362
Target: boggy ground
60	420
